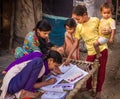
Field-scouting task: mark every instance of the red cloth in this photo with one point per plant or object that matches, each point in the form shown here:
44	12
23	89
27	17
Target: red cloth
27	98
101	71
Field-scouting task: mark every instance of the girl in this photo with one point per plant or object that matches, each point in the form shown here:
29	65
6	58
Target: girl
36	40
107	25
88	30
20	80
70	26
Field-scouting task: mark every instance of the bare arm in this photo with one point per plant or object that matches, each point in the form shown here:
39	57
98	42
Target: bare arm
105	32
44	83
75	44
112	36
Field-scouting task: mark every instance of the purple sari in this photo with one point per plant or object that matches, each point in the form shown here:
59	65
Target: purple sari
26	58
27	77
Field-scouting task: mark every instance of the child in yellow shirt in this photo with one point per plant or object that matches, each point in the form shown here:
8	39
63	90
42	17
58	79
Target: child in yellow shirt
106	28
87	29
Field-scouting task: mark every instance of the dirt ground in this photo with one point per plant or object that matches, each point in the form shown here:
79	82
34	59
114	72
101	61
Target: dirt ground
111	88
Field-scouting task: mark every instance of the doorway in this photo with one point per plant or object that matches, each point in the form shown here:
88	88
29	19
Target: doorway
5	21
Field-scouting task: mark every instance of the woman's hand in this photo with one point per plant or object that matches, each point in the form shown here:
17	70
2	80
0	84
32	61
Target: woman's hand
60	50
51	81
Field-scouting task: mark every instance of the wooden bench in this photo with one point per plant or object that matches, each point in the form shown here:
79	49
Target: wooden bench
91	68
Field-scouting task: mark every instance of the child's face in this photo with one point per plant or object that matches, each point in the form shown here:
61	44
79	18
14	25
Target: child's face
106	13
43	34
52	65
79	19
70	30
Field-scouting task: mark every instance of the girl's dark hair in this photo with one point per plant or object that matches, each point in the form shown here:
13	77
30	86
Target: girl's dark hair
107	5
70	23
79	10
55	55
43	25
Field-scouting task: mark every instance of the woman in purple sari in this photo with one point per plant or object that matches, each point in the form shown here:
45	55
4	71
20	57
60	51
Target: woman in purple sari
22	59
21	79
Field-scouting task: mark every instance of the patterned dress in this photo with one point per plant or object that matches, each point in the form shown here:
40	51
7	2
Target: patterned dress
31	44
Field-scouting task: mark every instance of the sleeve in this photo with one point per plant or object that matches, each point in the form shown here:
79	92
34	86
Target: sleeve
97	22
30	43
26	42
78	32
112	24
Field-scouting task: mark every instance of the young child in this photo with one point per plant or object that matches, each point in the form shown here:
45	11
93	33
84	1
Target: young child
21	80
106	28
70	26
36	40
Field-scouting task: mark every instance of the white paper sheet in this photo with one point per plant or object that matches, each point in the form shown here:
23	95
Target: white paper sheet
72	73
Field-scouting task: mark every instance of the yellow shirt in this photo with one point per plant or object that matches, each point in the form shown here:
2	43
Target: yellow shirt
89	32
106	24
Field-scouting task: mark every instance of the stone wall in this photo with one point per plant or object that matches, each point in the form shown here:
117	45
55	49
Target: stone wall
24	16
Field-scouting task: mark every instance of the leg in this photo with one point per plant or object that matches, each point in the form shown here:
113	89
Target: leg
89	81
101	72
96	46
33	95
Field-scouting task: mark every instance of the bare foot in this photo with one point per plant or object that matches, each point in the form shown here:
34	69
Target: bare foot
92	92
29	94
98	56
98	95
84	89
4	72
